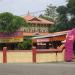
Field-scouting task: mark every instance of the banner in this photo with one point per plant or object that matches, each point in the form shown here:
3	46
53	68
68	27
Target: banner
11	40
11	37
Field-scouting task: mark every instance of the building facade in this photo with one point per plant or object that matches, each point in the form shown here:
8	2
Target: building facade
36	26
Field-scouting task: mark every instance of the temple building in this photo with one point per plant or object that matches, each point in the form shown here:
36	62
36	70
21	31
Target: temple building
36	26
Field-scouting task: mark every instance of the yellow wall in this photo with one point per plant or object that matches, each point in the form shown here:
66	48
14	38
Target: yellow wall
60	56
26	57
1	57
46	57
50	57
19	57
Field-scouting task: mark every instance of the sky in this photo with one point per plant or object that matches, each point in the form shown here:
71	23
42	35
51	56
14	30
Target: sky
21	7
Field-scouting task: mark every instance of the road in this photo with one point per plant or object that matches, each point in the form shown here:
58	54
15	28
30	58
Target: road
38	69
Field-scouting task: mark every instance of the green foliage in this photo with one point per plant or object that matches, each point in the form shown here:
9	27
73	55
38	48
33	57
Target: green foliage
71	7
62	10
25	45
58	27
50	13
62	21
62	14
47	18
10	23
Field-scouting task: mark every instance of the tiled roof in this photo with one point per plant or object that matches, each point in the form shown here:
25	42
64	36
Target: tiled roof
28	17
32	19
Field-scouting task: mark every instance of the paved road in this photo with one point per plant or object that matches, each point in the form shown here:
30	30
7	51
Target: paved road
38	69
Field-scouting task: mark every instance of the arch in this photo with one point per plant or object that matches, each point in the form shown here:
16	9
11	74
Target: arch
69	45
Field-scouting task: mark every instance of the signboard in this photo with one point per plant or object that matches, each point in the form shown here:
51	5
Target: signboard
10	40
43	40
11	37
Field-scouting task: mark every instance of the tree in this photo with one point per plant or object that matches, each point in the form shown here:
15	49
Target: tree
71	11
10	22
62	10
62	20
50	13
47	18
71	7
25	45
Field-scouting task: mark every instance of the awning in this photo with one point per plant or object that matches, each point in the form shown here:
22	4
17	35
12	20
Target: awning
49	39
